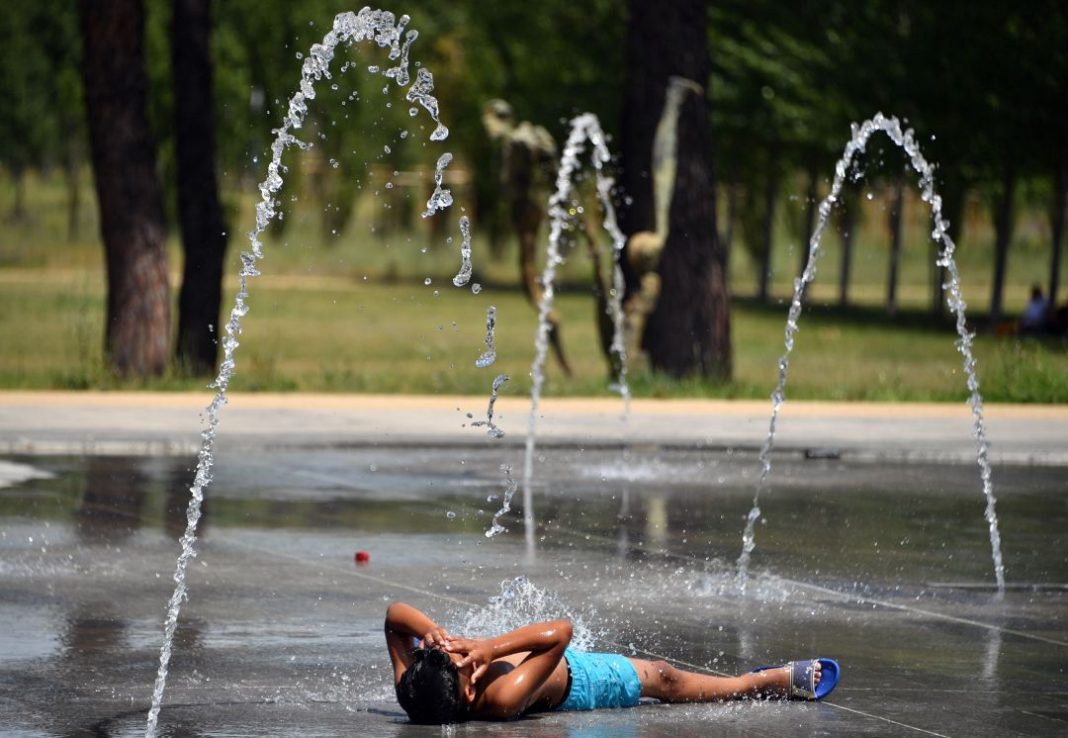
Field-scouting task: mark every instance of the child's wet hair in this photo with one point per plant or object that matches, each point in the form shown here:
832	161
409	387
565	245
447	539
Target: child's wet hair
429	689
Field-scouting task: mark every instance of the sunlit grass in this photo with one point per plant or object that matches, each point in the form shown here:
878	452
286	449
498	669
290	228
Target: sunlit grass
354	315
341	335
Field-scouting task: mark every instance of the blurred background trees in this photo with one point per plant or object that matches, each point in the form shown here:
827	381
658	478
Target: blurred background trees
984	85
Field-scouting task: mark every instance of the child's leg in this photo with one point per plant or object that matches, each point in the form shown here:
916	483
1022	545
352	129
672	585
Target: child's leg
666	683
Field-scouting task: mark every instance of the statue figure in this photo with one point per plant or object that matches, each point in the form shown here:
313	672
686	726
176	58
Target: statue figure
529	159
643	247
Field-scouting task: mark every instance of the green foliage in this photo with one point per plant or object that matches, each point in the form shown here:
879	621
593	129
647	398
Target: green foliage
979	82
982	83
40	86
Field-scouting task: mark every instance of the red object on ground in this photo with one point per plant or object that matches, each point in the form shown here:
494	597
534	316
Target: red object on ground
362	557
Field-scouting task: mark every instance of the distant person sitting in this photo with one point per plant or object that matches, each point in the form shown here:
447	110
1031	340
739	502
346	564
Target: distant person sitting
1035	318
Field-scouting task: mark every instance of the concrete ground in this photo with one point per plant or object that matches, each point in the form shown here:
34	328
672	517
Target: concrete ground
110	422
872	550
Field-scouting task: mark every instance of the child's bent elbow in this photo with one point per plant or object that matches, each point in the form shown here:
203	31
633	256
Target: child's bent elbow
396	605
393	611
564	631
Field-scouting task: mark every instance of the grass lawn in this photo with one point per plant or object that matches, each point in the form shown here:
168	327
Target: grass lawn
356	316
337	334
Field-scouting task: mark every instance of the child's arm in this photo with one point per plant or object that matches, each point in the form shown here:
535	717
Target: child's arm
405	625
509	694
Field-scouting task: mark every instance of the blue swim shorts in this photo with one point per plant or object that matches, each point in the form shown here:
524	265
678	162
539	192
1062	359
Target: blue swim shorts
600	680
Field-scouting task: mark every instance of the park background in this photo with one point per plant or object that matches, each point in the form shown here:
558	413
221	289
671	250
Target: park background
343	303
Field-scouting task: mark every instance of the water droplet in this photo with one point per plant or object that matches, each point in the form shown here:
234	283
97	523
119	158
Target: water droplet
427	281
450	515
476	288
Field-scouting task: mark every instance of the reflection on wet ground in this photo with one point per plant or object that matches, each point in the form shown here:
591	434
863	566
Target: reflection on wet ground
886	568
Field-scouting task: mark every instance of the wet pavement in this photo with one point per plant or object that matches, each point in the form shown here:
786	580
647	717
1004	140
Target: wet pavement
884	566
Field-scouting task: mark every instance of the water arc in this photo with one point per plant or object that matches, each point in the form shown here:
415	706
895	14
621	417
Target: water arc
907	142
388	32
585	129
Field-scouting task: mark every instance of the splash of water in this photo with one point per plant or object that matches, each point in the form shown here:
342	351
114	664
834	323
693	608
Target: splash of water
520	603
421	92
441	198
585	129
464	274
506	502
490	354
491	429
388	32
939	233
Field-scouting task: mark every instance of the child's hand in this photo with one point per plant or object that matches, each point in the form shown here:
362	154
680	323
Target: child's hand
476	652
436	637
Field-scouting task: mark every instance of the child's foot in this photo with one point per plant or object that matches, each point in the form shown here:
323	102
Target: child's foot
799	679
785	676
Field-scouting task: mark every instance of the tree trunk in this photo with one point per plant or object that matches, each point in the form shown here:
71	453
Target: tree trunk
894	218
201	214
128	191
767	231
643	100
848	223
1060	193
689	330
1003	223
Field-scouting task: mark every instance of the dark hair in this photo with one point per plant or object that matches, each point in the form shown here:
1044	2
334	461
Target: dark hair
429	689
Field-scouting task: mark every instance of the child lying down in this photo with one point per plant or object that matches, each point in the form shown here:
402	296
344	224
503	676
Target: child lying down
442	679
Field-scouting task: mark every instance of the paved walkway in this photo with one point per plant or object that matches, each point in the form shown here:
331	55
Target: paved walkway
158	423
885	567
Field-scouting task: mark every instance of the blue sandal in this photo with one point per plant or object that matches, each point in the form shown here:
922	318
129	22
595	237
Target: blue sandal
802	677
